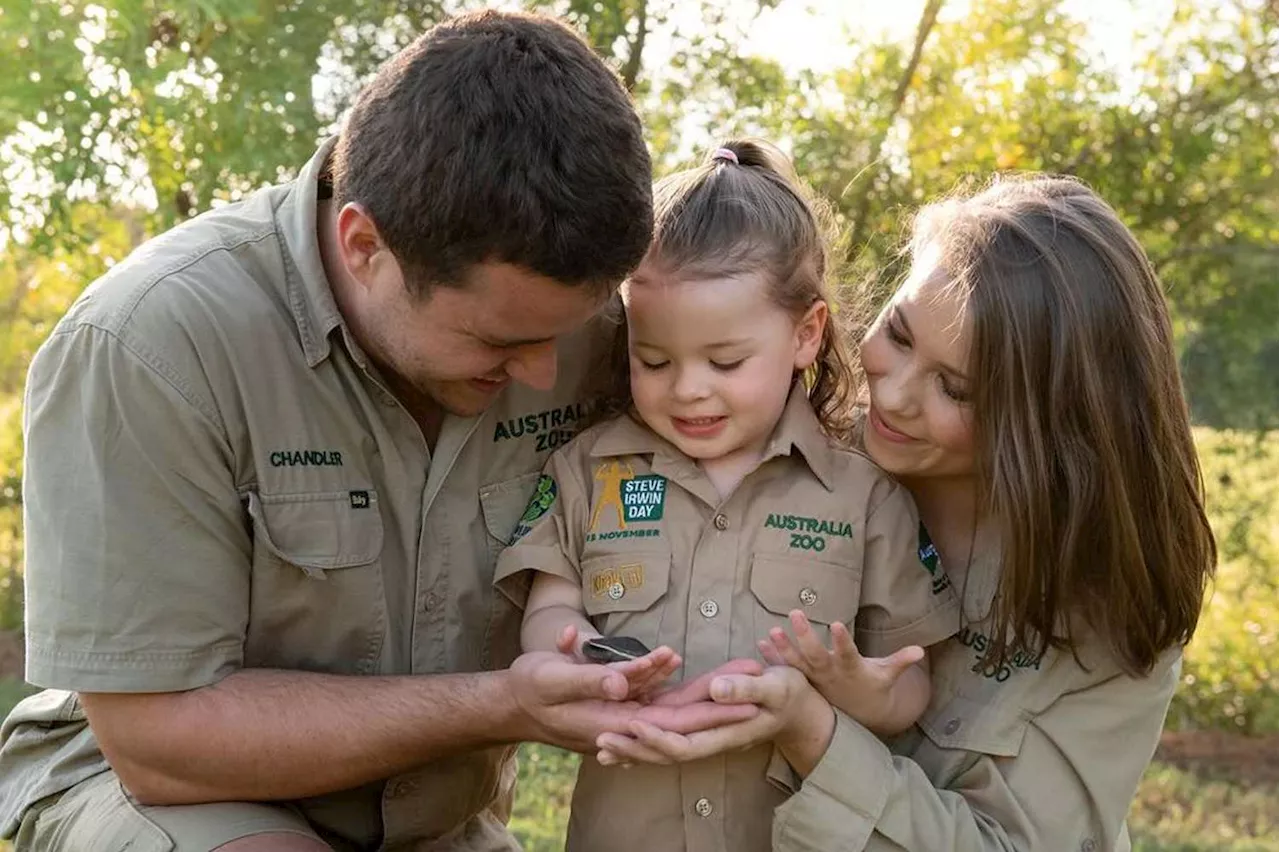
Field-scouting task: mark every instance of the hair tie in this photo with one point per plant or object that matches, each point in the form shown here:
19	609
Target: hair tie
725	154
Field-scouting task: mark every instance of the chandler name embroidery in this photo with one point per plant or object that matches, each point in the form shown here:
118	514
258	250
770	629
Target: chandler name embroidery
306	458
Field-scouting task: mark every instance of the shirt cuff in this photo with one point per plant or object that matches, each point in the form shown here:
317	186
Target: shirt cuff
513	575
840	802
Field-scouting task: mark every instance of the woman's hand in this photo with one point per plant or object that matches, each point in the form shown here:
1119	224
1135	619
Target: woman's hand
792	714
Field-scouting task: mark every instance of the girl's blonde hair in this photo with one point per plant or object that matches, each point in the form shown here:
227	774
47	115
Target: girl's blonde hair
744	211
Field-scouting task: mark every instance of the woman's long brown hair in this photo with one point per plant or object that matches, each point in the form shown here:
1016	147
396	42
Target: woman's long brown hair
1084	452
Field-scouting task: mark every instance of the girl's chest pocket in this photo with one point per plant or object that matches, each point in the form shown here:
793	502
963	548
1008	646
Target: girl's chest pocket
824	591
624	595
317	601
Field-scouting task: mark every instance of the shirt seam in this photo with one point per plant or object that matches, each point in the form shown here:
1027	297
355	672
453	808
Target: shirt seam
130	658
156	365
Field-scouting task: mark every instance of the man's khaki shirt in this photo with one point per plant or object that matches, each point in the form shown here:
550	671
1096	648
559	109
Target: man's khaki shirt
216	479
663	558
1044	752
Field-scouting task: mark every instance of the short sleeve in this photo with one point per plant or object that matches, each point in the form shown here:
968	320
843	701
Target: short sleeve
137	552
906	597
549	535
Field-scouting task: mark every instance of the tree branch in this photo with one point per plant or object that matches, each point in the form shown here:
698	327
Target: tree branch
631	71
928	18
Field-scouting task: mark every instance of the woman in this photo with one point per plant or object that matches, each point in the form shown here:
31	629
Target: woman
1022	384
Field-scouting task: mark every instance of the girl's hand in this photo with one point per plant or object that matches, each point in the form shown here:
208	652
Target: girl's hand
792	713
643	675
866	688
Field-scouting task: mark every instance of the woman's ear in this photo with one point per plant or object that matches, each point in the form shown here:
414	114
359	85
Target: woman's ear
809	331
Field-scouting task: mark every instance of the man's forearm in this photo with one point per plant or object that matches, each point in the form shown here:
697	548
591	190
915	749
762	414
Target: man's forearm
269	734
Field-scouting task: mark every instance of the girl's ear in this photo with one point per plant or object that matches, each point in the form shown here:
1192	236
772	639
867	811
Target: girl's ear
809	332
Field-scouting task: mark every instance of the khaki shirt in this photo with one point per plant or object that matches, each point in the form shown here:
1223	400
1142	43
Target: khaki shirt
1041	753
217	478
663	558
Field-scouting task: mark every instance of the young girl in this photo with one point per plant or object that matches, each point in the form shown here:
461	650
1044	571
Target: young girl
1023	384
717	503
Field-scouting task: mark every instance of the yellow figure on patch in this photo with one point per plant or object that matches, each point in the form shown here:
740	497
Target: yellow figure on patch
611	475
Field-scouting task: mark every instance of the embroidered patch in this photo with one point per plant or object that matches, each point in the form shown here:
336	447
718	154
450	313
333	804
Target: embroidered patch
544	497
614	582
643	497
929	558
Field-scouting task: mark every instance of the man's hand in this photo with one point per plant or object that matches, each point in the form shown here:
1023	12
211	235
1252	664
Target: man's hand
569	704
791	712
644	675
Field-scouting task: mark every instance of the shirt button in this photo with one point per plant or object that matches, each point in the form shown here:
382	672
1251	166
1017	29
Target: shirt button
953	726
721	522
808	596
703	807
709	608
616	591
429	602
1088	845
401	788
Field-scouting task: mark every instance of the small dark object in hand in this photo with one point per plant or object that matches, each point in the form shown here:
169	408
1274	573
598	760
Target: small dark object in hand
613	649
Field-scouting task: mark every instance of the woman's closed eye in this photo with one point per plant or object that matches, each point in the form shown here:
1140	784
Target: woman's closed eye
728	366
652	365
896	334
952	391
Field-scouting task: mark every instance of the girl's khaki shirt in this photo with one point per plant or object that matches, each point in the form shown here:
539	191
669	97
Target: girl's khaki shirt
661	557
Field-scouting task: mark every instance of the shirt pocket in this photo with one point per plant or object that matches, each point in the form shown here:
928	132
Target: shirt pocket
959	723
622	593
317	600
502	505
824	591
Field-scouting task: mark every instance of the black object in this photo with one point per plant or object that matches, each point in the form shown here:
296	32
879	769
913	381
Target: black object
613	649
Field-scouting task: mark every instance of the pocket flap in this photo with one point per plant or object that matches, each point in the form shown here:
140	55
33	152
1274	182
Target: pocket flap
503	503
624	582
823	591
321	531
981	727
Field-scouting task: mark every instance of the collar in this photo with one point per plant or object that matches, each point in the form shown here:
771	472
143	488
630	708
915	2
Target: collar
310	296
797	429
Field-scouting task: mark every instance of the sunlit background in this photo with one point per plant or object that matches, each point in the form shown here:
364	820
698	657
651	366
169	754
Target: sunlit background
121	118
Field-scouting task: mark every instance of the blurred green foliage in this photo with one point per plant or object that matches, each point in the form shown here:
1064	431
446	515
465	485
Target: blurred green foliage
123	117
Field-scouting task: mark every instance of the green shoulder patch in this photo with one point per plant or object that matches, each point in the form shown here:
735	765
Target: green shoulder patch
544	497
928	555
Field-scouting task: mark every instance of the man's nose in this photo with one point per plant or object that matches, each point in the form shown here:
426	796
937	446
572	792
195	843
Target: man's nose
535	366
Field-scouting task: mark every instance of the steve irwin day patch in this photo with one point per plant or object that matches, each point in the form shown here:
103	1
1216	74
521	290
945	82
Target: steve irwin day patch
544	497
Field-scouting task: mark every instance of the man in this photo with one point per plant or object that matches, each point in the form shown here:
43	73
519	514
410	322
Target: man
272	457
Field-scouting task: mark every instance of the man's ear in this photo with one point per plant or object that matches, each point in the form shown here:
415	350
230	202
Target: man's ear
809	332
360	244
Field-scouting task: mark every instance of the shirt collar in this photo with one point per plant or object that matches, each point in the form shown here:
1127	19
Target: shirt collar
310	296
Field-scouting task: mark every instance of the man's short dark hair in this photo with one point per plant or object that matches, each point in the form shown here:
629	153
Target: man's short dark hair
500	137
